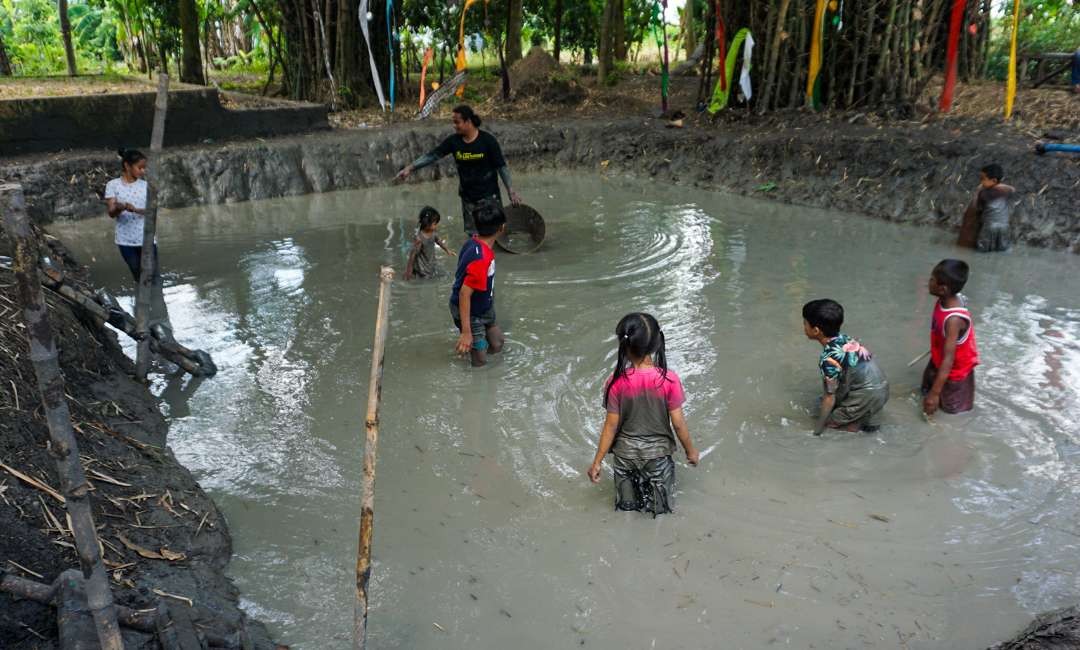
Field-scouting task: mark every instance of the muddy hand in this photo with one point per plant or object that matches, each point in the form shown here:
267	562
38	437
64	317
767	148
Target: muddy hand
692	457
930	404
464	344
403	174
594	473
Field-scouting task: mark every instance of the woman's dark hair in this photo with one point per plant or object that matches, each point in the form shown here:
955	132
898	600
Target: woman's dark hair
639	336
130	157
952	274
824	314
429	216
994	171
468	114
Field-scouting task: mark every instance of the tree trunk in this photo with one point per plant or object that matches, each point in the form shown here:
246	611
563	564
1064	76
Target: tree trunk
191	70
618	33
5	62
513	31
65	32
603	55
799	67
557	51
771	70
688	29
350	50
884	56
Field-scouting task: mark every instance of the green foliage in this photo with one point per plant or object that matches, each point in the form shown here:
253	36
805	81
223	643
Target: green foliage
1045	26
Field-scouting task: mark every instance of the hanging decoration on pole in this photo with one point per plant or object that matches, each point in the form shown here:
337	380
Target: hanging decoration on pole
441	93
952	49
391	41
365	29
1010	86
459	62
747	57
429	54
817	38
720	94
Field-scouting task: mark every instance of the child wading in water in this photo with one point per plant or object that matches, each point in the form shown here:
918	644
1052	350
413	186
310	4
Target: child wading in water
422	262
855	387
472	300
949	379
992	208
644	416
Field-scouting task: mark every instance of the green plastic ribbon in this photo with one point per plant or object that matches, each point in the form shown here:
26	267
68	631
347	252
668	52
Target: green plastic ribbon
720	94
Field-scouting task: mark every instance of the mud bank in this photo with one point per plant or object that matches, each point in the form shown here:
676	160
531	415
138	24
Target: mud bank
144	502
901	171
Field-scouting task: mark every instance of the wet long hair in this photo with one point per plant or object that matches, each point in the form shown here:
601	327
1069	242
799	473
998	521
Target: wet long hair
639	336
429	216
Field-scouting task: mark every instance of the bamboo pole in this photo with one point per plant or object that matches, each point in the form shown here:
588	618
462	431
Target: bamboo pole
64	448
148	269
371	429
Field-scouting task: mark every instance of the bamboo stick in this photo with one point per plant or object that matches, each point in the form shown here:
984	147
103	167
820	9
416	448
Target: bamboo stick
148	269
371	430
64	448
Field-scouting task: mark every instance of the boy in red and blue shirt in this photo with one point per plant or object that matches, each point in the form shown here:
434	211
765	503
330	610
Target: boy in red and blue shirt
472	299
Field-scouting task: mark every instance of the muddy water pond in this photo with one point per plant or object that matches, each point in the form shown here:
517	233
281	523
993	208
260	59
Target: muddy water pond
488	534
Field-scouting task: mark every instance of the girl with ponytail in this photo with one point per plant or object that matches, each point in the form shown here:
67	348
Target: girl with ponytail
644	402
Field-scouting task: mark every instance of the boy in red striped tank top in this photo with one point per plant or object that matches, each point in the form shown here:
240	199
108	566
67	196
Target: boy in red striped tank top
949	380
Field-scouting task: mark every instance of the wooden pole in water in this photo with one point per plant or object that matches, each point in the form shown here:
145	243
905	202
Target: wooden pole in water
371	429
149	261
63	446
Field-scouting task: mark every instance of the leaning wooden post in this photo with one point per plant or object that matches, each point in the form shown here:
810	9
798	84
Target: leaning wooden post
63	446
149	262
371	428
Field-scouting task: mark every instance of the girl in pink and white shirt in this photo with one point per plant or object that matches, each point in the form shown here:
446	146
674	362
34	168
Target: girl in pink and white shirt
643	400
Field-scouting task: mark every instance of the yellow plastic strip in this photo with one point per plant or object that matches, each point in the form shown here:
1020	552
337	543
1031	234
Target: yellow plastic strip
1010	89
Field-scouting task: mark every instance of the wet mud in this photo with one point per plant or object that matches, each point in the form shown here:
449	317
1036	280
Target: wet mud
160	532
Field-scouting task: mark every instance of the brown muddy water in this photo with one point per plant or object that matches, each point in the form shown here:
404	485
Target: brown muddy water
488	534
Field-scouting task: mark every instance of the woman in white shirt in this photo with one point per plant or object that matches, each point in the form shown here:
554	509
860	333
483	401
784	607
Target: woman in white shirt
126	200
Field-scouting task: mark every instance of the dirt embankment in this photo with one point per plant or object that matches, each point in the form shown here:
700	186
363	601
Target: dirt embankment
144	502
922	173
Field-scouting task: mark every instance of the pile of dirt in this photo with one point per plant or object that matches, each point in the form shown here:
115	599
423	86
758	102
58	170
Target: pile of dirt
160	533
537	65
536	79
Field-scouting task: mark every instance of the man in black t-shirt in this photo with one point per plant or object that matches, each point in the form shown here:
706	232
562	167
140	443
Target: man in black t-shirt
480	164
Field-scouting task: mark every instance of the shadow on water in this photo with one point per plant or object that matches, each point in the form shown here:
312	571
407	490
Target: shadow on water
923	535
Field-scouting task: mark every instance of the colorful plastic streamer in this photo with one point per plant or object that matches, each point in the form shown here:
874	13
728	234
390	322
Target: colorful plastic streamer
816	38
721	93
1010	87
428	55
371	57
747	57
955	23
459	61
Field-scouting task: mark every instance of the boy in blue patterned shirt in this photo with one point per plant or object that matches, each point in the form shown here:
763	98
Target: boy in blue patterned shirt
855	387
